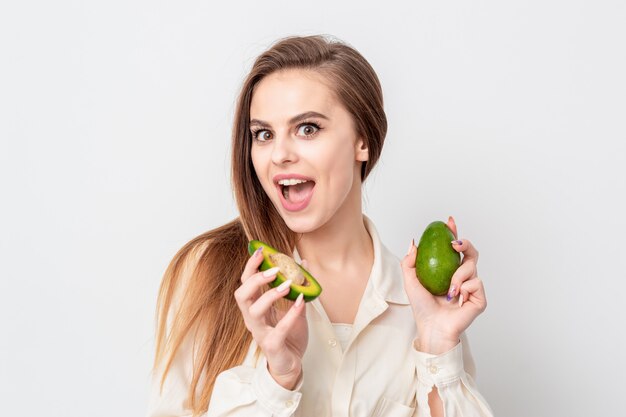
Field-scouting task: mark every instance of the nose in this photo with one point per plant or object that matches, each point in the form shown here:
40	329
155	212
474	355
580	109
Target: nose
283	151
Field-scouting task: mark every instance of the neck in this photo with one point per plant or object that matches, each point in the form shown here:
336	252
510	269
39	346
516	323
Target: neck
342	241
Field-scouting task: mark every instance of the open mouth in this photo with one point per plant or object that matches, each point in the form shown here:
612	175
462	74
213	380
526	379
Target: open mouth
295	192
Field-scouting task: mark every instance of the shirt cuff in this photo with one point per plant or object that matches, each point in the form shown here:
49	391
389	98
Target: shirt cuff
440	369
279	400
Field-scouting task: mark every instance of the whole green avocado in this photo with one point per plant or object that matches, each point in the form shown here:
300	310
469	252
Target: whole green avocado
436	259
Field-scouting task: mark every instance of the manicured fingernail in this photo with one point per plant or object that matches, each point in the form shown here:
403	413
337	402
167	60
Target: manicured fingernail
460	300
282	287
270	272
258	250
299	300
458	242
451	293
411	246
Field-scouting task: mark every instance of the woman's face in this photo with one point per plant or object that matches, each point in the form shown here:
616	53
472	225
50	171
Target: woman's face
305	150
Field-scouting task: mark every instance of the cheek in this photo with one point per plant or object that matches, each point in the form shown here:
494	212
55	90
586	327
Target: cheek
341	165
254	157
259	163
260	157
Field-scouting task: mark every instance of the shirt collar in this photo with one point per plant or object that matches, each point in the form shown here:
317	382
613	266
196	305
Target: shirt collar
386	276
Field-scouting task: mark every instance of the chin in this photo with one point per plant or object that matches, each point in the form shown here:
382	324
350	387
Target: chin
302	223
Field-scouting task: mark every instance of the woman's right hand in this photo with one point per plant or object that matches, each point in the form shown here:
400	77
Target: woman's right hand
283	344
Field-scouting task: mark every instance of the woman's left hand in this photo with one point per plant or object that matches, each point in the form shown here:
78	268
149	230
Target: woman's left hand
440	320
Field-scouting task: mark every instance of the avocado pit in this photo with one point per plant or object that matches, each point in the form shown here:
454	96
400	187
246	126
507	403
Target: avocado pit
289	268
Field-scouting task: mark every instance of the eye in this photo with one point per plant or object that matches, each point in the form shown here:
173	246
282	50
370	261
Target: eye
308	129
261	135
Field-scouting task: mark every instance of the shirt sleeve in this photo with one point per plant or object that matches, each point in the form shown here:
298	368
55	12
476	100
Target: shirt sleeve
246	390
251	391
453	374
241	391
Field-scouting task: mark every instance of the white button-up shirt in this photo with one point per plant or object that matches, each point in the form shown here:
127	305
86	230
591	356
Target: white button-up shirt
379	373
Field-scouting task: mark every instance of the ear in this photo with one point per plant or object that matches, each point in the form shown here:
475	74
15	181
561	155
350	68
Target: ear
361	150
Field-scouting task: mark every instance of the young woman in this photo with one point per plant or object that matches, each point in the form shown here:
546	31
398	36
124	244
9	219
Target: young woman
309	127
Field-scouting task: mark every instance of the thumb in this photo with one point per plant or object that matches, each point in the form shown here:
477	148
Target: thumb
452	226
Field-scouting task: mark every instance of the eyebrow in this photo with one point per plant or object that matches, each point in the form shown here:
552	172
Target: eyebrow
293	120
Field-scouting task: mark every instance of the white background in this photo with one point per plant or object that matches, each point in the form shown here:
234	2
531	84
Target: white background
115	122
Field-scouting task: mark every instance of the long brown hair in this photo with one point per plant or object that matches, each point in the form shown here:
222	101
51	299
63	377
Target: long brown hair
195	300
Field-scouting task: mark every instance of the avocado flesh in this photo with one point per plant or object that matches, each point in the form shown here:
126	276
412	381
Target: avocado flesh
436	260
302	281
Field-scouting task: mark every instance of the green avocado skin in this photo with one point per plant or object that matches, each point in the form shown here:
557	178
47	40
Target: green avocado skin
310	292
436	259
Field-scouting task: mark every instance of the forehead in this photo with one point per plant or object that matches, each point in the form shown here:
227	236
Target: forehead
285	93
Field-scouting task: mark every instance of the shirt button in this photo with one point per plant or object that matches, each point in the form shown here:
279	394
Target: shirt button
332	342
288	403
433	369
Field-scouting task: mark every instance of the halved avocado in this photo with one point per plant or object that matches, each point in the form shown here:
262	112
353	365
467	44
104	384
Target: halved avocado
302	281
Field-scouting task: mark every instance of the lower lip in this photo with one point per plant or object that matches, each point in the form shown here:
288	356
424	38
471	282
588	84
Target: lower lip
289	206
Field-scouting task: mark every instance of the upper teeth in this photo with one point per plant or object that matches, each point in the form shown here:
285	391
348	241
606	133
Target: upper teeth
292	181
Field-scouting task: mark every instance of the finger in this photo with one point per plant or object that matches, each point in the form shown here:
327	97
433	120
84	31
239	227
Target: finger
253	264
473	293
258	310
466	271
452	226
304	264
250	290
468	249
290	319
